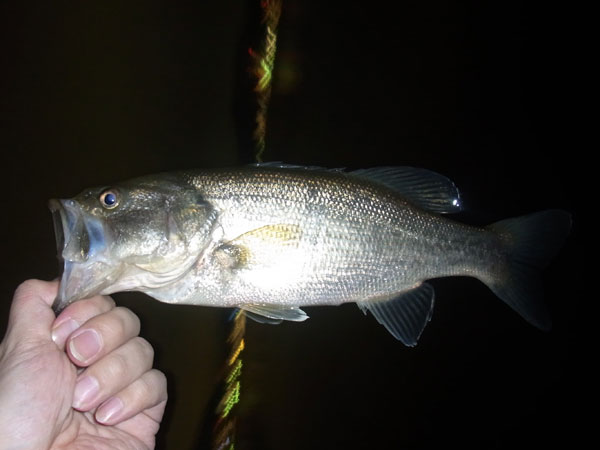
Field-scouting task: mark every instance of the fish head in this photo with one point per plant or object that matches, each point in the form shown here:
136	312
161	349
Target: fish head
134	236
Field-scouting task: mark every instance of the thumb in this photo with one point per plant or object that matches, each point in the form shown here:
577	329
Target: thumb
31	314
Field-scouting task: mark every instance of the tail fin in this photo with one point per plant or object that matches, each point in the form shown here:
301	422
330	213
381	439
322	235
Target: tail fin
533	241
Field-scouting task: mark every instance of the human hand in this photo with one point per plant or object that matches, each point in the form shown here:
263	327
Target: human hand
81	380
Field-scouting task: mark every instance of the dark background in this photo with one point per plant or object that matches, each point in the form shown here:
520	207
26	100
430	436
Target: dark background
481	91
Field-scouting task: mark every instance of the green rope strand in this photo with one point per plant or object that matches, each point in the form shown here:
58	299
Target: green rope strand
263	61
224	430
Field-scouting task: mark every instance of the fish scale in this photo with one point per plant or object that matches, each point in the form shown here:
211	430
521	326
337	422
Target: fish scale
359	241
272	238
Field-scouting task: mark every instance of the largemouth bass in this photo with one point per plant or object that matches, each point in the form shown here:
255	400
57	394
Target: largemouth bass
272	238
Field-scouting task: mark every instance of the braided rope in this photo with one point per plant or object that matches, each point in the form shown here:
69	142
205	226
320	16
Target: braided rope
263	61
224	430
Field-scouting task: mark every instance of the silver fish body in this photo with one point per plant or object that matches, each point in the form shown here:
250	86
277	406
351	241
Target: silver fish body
272	238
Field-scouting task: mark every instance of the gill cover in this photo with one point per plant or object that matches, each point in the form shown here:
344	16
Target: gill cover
143	233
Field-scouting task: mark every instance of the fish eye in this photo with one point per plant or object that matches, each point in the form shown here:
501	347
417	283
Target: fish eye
109	199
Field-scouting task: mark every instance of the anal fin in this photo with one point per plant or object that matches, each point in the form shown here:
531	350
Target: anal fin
404	316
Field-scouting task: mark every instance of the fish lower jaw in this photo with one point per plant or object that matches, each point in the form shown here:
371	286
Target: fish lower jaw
83	280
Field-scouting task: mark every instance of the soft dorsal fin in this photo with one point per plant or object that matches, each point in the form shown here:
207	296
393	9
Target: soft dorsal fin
282	165
426	189
406	315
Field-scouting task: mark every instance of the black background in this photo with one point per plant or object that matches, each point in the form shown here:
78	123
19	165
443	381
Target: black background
95	92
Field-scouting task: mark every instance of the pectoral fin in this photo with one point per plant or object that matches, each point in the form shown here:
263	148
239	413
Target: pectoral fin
406	315
263	246
274	313
262	319
279	234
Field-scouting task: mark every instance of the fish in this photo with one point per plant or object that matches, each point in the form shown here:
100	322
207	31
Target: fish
272	238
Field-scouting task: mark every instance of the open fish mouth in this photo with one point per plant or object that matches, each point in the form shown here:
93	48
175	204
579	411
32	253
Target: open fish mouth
82	248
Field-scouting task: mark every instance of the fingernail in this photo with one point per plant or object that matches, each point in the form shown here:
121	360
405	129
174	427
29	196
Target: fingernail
62	331
85	345
109	410
85	390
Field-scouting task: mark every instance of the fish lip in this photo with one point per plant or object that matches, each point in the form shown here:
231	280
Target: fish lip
69	231
64	221
82	248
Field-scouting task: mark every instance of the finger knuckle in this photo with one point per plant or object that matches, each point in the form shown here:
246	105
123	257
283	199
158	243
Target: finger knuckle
119	365
33	289
161	380
27	288
127	320
28	285
104	302
145	348
152	385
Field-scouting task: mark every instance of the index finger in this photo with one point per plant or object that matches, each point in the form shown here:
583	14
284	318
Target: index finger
101	335
78	313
